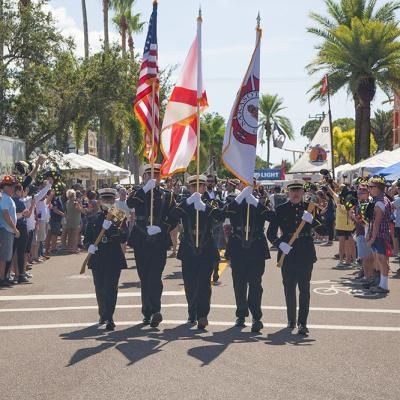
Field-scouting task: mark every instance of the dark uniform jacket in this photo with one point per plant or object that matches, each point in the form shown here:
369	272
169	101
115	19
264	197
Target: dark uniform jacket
288	217
163	203
109	255
256	246
187	214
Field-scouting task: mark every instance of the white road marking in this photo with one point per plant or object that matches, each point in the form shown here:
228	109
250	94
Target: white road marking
78	296
184	305
212	323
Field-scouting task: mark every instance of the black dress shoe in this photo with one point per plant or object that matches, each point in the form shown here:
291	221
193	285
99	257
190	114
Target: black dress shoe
191	320
291	325
110	325
155	320
202	323
303	330
240	322
102	321
23	279
146	321
256	326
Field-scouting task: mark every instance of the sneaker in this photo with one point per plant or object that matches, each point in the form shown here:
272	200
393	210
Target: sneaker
378	289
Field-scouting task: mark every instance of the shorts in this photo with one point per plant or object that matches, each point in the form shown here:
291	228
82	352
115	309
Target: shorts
379	247
345	234
363	250
55	227
42	231
6	245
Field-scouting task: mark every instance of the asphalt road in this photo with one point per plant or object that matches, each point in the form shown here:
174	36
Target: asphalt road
51	347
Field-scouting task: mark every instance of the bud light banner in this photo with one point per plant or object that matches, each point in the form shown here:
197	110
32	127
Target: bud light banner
267	174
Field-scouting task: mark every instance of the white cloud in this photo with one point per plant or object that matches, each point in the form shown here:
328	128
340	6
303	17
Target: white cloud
69	28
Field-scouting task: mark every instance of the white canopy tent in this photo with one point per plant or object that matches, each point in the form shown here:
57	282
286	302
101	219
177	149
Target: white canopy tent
112	170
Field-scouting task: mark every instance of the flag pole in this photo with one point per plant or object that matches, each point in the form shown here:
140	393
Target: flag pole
258	29
330	127
153	93
199	89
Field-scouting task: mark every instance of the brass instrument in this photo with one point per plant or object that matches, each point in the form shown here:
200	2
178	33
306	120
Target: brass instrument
116	216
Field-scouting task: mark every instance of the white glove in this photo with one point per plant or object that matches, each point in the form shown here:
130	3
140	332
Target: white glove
153	230
308	217
106	224
200	206
195	197
253	201
285	248
246	192
151	184
92	249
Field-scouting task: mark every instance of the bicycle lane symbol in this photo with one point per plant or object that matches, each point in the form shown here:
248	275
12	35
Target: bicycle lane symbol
335	289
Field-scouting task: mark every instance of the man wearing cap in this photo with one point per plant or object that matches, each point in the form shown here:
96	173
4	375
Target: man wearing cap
198	256
300	257
247	253
107	259
150	241
8	227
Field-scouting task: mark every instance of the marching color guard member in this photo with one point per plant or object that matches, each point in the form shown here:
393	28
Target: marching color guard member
150	241
248	255
197	262
299	260
107	259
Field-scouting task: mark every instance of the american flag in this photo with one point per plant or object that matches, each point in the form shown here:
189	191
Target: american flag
143	104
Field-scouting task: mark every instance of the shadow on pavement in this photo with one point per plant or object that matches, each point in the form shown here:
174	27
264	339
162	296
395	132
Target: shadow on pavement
174	275
286	336
128	285
138	342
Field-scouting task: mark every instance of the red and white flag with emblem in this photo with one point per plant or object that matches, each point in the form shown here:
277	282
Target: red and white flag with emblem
240	141
179	131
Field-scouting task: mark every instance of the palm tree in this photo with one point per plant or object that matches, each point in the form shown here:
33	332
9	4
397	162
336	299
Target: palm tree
134	26
360	51
106	7
122	7
85	29
270	107
212	130
382	129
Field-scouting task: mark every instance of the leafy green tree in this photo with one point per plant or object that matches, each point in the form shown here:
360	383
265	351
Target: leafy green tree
360	50
310	128
270	108
345	124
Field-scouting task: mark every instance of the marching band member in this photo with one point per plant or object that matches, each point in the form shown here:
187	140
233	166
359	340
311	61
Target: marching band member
150	242
300	257
248	256
107	259
197	262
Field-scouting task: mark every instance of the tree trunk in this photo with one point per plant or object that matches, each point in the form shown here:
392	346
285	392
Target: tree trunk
131	46
85	29
136	168
106	6
123	35
357	130
365	132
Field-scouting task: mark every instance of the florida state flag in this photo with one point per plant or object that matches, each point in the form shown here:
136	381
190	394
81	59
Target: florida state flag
240	141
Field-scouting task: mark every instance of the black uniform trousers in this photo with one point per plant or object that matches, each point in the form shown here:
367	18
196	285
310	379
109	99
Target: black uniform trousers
247	284
150	263
297	273
106	286
196	274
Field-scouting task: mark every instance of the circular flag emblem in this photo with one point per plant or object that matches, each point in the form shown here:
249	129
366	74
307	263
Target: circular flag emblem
318	155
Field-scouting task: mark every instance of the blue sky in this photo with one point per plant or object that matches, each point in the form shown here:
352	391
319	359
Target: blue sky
228	41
